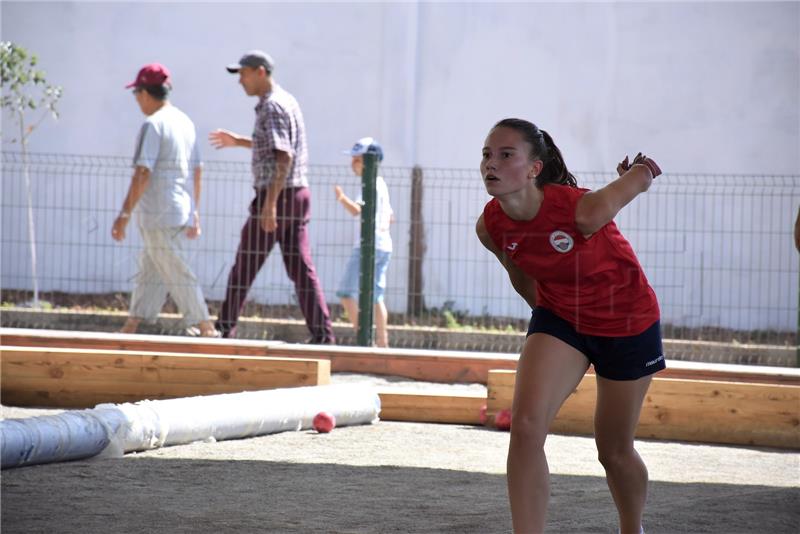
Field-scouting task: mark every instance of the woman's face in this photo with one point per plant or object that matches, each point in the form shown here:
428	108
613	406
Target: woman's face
506	166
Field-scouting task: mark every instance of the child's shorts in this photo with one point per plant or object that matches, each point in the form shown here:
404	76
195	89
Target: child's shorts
615	358
349	286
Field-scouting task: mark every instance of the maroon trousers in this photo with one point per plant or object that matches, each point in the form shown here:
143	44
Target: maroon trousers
294	210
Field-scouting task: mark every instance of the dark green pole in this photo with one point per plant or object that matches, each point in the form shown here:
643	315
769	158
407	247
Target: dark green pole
367	270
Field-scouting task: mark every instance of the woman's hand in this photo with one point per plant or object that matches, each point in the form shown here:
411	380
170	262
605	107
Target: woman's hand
641	159
623	166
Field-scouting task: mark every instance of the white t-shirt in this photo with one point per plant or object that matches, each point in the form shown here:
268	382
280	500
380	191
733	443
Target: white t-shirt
168	147
383	216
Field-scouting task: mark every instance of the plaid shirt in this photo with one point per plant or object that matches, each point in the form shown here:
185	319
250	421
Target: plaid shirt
279	126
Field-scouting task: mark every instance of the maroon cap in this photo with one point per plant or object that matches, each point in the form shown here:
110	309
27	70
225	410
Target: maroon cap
151	74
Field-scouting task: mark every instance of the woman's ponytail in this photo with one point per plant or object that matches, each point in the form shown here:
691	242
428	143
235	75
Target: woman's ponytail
554	170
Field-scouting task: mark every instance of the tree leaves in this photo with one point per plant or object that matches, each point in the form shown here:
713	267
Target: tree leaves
24	88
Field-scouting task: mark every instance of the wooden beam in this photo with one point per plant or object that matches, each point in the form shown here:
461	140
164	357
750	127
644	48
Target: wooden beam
25	337
690	410
84	377
444	407
428	365
50	394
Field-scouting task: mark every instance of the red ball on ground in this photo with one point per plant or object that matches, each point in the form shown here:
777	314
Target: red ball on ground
324	422
482	415
502	421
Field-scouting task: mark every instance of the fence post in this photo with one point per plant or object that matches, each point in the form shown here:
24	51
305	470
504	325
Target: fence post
367	265
415	303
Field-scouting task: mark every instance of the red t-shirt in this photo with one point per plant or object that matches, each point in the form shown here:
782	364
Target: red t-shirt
595	284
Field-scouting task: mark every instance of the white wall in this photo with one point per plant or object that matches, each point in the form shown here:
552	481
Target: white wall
706	87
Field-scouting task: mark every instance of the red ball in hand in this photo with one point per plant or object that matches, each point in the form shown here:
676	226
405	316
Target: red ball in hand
324	422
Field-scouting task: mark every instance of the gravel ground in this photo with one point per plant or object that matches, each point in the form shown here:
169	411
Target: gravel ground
391	477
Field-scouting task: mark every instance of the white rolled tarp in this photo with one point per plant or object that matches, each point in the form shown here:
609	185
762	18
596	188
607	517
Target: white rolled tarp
115	429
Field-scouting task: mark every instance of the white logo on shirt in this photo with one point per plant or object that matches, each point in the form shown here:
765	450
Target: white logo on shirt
512	247
561	241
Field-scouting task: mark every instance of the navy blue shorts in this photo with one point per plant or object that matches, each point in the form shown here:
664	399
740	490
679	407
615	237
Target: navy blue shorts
615	358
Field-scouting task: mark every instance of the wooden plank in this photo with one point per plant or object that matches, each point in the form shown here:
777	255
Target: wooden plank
153	375
722	412
102	365
500	389
428	365
58	364
46	393
429	407
691	410
48	398
23	337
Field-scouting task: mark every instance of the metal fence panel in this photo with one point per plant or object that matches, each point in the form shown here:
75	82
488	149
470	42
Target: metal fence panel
718	249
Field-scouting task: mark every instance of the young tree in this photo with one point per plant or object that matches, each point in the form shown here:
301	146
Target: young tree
25	91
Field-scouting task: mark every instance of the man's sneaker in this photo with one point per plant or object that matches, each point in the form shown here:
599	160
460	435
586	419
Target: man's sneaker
225	332
320	341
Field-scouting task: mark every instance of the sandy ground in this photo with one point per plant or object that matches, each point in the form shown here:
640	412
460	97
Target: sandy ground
391	477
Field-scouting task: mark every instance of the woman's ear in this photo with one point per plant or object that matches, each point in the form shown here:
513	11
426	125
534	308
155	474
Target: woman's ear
536	170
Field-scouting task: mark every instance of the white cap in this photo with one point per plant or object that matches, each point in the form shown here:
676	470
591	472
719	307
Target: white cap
365	145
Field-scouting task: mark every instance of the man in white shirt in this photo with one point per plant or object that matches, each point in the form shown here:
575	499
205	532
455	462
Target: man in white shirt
166	151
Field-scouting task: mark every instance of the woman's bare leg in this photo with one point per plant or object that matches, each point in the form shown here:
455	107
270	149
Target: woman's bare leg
547	373
619	403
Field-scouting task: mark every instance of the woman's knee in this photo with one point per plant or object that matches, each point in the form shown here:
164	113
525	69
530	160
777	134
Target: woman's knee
616	456
530	429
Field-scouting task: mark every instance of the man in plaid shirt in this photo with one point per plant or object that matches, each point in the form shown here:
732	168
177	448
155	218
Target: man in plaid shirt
282	204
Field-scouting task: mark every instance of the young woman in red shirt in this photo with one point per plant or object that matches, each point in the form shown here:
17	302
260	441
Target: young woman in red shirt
591	305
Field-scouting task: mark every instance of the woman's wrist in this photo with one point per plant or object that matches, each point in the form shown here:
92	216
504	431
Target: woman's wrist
655	170
651	165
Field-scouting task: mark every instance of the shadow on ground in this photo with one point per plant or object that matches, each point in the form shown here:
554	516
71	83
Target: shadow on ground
140	495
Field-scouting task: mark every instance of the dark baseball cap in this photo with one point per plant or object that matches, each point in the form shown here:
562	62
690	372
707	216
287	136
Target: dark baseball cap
253	59
151	74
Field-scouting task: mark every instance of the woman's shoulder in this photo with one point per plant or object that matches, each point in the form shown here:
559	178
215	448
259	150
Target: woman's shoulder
494	219
563	190
491	209
558	195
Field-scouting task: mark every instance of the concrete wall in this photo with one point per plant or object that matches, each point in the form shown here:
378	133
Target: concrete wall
706	87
